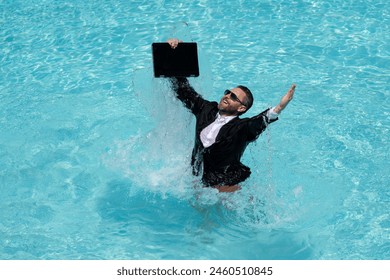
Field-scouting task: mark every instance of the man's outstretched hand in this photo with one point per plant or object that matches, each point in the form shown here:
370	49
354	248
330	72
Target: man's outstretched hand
174	42
285	99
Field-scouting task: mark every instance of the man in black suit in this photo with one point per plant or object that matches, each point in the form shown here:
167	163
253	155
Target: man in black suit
221	136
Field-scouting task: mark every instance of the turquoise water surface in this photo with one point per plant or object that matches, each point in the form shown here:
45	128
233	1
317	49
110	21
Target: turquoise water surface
94	151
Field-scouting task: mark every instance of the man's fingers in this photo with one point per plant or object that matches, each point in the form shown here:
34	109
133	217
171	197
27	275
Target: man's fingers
292	89
174	43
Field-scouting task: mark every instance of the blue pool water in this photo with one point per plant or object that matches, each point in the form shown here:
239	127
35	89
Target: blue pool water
94	152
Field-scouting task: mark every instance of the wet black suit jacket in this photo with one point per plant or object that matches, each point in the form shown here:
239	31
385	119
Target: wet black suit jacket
221	161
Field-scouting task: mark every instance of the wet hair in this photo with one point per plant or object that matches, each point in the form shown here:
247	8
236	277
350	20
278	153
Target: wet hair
249	97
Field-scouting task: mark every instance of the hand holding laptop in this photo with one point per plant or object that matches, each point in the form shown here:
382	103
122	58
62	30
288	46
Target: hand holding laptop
171	59
174	42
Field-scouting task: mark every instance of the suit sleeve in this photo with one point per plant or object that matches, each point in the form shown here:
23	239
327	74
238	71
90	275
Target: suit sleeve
257	124
187	95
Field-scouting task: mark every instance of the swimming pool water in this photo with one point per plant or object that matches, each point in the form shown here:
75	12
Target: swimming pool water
94	152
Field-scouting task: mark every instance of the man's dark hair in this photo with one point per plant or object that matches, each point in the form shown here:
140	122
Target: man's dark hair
249	97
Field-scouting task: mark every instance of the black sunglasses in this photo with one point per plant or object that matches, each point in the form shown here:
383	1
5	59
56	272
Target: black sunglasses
233	97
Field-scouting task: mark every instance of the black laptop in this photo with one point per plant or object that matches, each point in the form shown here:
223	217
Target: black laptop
179	62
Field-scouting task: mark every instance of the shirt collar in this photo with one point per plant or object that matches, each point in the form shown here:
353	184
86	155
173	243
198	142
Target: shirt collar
224	119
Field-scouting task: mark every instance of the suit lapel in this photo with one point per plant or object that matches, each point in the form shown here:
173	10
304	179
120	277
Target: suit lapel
225	129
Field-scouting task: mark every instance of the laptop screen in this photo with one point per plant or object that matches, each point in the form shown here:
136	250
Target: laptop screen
179	62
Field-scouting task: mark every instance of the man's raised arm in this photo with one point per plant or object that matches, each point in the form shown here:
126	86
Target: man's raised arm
182	88
285	100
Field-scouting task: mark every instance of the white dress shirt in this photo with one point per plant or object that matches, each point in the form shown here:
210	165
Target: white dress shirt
209	133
